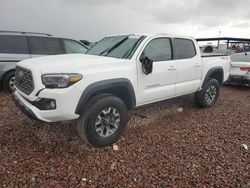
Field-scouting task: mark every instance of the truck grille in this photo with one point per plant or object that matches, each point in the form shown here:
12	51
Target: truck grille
24	80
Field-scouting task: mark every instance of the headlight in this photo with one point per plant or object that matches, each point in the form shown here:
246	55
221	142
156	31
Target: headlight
60	80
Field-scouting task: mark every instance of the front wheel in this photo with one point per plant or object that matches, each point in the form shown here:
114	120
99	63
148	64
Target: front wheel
209	94
104	121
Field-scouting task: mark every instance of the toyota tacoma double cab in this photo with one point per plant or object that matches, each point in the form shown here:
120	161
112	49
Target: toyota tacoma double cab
118	74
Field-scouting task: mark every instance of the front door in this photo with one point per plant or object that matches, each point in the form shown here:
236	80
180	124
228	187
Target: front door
160	84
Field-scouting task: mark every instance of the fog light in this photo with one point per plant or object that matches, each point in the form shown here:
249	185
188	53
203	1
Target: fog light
53	105
45	104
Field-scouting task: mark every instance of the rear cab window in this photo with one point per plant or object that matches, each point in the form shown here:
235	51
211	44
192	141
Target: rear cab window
14	44
183	48
46	45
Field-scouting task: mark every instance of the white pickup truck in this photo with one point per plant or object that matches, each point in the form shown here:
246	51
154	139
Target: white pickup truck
118	74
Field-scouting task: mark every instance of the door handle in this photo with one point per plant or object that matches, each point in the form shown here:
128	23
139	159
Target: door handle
171	68
197	65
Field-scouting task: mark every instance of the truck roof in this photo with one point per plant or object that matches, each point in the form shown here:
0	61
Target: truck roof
158	34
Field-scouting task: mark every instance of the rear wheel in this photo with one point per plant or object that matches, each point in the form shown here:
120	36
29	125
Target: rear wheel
209	94
104	121
9	82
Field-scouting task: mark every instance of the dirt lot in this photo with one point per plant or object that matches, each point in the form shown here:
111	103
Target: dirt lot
160	148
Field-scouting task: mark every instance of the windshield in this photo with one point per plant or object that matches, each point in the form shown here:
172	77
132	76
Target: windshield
122	47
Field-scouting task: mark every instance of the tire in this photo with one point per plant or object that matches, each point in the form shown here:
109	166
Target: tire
103	121
209	94
8	82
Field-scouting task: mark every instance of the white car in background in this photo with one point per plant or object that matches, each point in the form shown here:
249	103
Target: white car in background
240	69
16	46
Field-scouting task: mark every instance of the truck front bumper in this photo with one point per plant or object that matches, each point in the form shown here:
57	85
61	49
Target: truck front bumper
26	110
64	110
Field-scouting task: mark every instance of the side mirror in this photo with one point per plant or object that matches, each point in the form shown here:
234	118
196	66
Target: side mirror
147	64
246	54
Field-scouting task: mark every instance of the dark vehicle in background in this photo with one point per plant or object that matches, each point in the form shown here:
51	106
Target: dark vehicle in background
16	46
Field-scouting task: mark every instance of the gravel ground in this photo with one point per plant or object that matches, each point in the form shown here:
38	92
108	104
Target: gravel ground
161	147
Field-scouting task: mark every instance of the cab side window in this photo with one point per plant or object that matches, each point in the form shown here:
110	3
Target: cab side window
159	50
74	47
183	48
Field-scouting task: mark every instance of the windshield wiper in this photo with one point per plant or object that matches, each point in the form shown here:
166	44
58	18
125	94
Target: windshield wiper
128	53
107	51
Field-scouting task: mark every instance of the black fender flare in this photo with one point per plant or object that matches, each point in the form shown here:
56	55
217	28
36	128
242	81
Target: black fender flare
211	71
121	86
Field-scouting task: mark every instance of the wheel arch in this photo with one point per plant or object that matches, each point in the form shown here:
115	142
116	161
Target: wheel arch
215	73
121	88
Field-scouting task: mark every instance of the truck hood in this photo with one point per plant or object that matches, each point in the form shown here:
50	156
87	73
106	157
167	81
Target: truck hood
68	63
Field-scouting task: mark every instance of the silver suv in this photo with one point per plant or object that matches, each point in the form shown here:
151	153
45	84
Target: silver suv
16	46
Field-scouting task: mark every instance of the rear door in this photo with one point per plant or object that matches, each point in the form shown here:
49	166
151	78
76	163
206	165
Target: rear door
189	66
160	84
40	46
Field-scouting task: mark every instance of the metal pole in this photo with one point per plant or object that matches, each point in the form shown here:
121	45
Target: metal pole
218	40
